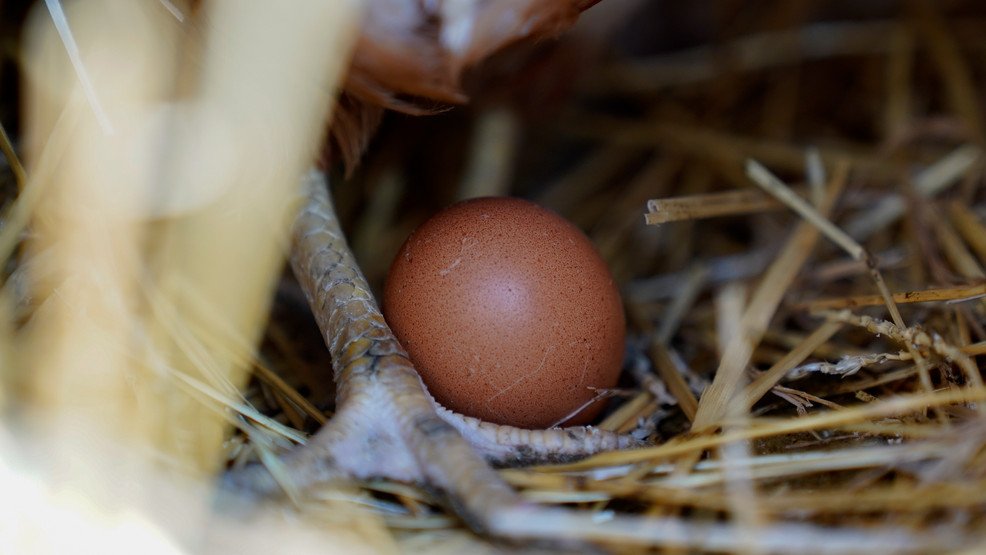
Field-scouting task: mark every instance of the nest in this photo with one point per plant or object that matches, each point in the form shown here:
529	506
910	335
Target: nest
791	196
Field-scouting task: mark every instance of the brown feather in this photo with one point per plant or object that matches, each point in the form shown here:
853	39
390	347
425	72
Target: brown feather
353	125
411	54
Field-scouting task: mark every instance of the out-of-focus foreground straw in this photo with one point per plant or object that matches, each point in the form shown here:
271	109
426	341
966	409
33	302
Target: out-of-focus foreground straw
162	175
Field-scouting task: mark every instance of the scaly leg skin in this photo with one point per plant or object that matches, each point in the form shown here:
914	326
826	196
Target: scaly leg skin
386	424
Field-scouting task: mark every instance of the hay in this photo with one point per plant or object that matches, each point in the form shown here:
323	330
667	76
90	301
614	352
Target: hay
841	418
792	198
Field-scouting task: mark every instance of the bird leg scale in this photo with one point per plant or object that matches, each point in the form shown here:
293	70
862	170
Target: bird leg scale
386	423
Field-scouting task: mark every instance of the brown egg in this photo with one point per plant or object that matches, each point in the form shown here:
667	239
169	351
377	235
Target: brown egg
508	312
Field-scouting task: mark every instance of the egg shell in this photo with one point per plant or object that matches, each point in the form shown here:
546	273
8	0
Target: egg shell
508	313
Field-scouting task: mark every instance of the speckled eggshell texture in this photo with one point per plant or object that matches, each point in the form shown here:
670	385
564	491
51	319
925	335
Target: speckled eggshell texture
508	312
